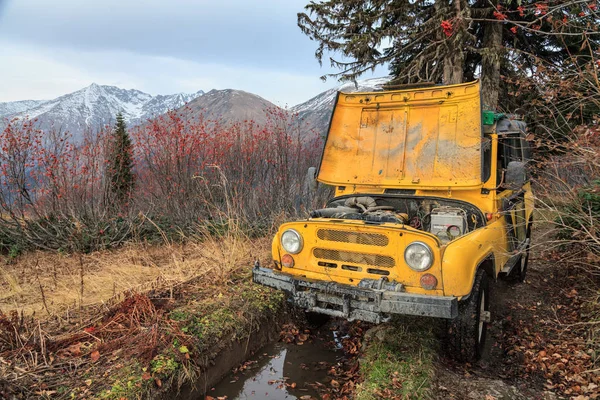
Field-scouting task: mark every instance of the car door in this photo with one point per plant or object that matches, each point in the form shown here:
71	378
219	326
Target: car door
511	148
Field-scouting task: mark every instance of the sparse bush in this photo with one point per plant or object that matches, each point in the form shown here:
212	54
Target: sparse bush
579	221
569	192
198	170
191	174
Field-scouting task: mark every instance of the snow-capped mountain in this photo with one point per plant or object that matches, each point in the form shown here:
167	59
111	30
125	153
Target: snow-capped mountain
15	107
316	112
95	106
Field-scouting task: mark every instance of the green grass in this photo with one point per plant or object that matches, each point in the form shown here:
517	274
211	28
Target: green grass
126	383
399	366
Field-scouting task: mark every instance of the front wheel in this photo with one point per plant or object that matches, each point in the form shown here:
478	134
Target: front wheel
467	332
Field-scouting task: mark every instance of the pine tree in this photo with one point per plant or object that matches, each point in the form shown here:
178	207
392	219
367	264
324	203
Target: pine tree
450	41
121	164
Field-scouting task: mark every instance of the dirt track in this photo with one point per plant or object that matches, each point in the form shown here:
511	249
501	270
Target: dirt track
496	375
532	350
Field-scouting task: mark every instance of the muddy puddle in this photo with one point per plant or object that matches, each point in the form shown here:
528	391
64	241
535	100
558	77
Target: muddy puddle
284	370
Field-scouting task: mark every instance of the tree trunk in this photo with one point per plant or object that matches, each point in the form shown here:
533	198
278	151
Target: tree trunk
453	65
454	59
490	65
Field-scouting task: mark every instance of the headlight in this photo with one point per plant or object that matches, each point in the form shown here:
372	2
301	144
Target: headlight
418	256
291	241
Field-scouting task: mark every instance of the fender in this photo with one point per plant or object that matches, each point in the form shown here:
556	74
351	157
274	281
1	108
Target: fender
462	258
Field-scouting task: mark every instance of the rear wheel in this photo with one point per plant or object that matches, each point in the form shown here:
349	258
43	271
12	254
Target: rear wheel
525	257
467	332
519	271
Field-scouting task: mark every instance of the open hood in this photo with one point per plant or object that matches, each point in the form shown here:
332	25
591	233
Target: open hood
417	138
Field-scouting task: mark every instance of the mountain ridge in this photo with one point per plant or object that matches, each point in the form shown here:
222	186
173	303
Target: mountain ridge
96	105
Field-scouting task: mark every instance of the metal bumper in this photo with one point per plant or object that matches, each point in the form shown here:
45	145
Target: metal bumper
350	302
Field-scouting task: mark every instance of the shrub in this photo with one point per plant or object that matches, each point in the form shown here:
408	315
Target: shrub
579	221
190	173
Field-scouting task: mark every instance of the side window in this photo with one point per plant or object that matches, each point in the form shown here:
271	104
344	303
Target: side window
512	148
487	158
509	149
500	163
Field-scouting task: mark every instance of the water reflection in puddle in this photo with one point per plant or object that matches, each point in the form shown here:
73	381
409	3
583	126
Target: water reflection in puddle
281	371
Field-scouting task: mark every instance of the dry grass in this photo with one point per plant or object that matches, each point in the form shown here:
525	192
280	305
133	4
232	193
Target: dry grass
47	283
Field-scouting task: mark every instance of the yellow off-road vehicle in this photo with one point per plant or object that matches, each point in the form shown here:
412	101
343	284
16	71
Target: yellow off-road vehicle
432	202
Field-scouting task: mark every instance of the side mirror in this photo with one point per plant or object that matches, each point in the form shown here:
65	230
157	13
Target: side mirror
311	179
516	175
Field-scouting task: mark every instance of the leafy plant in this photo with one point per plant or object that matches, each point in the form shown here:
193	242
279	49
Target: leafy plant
163	364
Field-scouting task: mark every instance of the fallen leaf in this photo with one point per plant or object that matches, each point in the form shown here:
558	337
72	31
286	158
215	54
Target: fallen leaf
302	337
95	355
75	349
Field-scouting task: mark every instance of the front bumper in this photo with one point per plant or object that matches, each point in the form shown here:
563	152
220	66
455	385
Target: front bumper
351	302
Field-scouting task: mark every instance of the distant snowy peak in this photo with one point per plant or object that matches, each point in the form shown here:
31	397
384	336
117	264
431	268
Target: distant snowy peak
327	98
161	104
316	112
15	107
95	106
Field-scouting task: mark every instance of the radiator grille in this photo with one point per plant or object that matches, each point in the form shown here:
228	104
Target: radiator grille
374	260
371	239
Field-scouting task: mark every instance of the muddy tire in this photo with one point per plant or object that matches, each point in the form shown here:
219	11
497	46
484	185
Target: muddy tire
467	332
519	271
525	257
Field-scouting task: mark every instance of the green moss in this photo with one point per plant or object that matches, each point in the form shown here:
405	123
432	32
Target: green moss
127	383
179	315
164	365
402	364
233	312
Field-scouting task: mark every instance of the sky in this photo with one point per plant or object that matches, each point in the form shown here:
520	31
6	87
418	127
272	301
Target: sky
50	48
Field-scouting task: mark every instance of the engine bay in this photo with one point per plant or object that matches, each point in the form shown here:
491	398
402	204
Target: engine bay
446	219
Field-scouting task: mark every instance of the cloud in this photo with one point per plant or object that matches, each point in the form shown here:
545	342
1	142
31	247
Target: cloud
255	33
157	46
32	73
